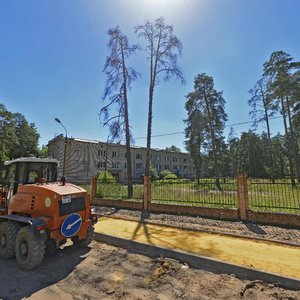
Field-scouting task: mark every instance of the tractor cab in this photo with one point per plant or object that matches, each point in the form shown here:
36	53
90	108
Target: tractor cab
31	170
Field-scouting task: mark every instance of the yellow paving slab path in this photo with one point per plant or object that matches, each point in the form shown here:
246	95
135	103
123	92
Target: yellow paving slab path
261	255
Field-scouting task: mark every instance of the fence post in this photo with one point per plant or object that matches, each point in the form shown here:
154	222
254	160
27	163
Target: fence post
147	192
93	189
242	191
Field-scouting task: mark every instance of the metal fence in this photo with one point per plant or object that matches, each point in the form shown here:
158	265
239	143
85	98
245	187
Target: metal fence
221	193
263	194
118	191
278	196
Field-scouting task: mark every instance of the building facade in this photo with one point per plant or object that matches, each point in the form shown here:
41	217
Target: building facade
87	158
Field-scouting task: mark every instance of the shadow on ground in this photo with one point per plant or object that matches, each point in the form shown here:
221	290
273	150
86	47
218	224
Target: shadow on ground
255	228
16	284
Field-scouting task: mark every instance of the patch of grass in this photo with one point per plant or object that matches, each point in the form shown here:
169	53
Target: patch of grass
204	194
118	191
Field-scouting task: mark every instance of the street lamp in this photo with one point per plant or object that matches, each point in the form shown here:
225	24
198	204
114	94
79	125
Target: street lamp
106	154
65	148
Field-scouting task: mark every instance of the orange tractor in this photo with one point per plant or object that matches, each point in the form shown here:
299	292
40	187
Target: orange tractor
38	213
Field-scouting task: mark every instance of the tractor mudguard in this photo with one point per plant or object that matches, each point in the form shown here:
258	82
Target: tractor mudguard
38	226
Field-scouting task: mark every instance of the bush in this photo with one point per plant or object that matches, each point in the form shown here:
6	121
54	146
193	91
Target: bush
166	174
106	177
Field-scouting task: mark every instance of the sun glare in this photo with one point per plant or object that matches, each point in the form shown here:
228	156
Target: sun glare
175	11
165	7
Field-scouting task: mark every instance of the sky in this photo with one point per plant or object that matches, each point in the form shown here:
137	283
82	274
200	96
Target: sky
52	55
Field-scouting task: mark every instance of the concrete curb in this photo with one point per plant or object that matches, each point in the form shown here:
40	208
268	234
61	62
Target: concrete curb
200	262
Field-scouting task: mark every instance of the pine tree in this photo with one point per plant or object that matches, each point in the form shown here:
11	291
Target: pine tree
206	112
119	80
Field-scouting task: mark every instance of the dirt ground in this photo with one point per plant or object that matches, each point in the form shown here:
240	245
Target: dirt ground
105	272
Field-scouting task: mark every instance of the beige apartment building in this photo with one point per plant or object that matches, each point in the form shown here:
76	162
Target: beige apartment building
87	158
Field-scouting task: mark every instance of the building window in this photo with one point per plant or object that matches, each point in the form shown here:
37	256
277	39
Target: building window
158	158
115	165
125	165
101	164
185	160
167	158
158	166
139	166
114	154
175	167
174	159
102	153
167	167
138	156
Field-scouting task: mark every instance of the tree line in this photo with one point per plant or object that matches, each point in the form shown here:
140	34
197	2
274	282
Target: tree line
276	93
18	137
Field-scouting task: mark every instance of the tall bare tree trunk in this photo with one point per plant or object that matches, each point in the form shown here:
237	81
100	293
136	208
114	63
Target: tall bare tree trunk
269	134
293	141
287	140
127	133
149	128
213	143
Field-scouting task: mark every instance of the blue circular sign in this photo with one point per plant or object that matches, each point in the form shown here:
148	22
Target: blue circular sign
71	225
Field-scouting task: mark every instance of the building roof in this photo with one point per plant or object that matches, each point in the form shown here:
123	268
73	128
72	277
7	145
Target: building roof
112	144
31	159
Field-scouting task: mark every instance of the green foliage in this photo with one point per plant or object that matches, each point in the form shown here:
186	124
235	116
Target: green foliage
18	137
27	137
205	123
114	190
284	89
153	173
43	152
106	177
8	136
173	148
166	174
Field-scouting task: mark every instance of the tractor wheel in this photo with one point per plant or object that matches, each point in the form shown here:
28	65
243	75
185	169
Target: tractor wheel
8	234
30	251
84	242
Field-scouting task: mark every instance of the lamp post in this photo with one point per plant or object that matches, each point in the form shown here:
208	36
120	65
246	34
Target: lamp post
106	154
65	148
